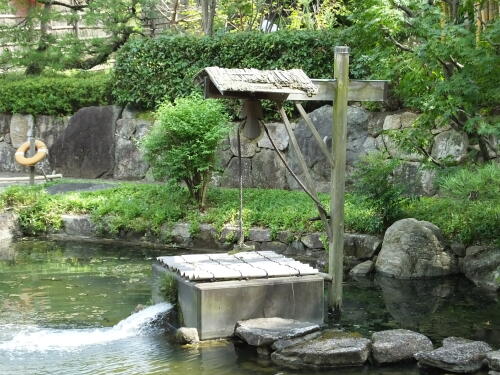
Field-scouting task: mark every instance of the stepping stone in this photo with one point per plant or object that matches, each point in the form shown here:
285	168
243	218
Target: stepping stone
265	331
397	345
322	353
456	355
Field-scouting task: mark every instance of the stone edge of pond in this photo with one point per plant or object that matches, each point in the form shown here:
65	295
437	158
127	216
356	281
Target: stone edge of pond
363	253
330	348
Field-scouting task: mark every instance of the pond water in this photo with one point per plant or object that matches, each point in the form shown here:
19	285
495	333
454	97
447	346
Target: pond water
67	308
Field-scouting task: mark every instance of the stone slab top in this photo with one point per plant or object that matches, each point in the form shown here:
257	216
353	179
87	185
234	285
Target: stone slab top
245	265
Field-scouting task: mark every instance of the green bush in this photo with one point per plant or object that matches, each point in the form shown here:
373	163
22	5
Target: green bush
373	181
182	144
53	94
149	70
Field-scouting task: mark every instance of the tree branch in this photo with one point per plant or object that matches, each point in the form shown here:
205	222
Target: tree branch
62	4
404	8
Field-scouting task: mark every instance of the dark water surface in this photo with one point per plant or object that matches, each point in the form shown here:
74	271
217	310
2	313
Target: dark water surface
65	308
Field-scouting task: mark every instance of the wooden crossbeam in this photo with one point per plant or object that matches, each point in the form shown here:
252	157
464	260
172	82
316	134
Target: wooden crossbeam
358	91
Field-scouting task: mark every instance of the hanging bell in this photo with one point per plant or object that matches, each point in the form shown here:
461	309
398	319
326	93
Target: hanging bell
253	114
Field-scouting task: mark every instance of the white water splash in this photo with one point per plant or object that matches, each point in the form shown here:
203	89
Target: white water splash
42	339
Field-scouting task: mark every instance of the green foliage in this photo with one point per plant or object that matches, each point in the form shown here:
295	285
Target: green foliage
169	288
473	183
149	70
181	145
53	94
373	180
470	208
436	65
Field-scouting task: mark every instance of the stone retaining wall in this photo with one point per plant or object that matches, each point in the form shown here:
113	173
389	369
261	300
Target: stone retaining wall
103	142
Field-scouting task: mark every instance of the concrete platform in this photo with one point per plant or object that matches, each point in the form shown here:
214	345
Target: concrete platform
213	307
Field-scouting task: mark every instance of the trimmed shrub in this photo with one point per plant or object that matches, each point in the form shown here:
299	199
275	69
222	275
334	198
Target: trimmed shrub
53	95
150	70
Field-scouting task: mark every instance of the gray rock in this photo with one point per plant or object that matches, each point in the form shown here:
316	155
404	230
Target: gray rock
268	171
493	359
181	230
248	147
357	132
376	123
450	145
363	268
416	179
456	355
492	372
279	135
19	127
7	159
229	233
361	246
396	152
132	128
5	123
129	160
415	249
86	149
259	235
285	343
285	236
185	335
397	345
313	240
78	225
392	122
230	177
324	353
481	265
223	157
265	331
276	246
408	119
458	249
49	128
9	227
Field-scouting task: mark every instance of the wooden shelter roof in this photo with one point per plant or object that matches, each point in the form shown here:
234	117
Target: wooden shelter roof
260	84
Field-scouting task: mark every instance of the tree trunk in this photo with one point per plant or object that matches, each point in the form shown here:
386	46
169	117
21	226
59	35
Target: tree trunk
36	67
208	14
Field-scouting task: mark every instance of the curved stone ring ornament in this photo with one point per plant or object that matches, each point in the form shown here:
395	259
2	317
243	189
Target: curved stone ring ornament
41	153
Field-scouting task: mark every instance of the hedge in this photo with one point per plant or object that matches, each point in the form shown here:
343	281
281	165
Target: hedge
150	70
53	94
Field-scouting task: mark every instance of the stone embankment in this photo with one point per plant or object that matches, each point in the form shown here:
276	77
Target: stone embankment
301	345
103	142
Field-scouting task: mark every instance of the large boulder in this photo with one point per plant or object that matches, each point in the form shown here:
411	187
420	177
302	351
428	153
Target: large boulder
129	160
86	148
450	146
324	352
481	265
230	177
268	171
49	128
397	345
265	331
5	123
493	359
7	159
357	134
361	246
19	128
9	227
279	135
415	249
416	179
456	355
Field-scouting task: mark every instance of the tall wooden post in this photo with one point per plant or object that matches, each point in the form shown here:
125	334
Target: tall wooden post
339	137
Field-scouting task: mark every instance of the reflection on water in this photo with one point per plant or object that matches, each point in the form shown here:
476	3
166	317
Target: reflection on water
65	308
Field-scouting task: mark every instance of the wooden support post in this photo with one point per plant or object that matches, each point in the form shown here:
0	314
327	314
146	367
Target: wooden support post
339	137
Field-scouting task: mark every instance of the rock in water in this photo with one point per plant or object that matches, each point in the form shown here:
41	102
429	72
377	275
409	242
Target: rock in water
482	265
265	331
362	269
398	345
494	360
456	355
185	335
324	353
415	249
